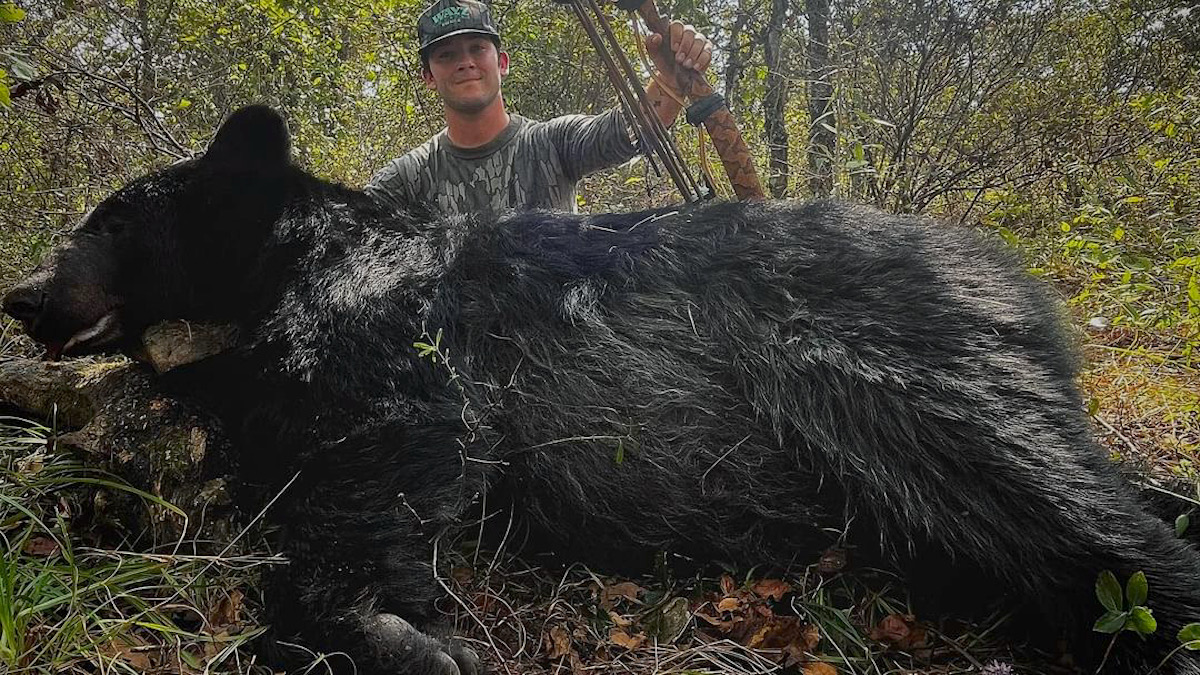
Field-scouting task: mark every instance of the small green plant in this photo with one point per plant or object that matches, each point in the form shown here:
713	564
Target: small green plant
1189	637
1126	612
430	349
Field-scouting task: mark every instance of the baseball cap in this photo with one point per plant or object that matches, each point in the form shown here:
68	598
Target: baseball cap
447	18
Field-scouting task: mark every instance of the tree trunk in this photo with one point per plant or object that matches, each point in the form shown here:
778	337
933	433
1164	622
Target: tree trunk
738	55
109	412
821	137
145	71
775	100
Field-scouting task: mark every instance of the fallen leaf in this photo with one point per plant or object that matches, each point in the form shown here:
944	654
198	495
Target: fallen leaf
781	631
728	605
618	620
577	665
41	547
623	639
128	650
560	642
758	638
216	646
798	651
227	611
818	668
772	589
729	629
626	589
31	465
812	635
792	655
900	631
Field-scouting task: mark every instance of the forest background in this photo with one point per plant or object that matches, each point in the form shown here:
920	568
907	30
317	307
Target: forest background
1070	128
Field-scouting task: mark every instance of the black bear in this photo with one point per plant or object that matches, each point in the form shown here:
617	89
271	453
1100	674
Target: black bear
727	381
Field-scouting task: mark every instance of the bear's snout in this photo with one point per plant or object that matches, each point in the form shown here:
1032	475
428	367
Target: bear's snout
25	304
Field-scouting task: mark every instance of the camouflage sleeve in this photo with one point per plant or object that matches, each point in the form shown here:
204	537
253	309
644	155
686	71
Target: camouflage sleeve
401	182
589	143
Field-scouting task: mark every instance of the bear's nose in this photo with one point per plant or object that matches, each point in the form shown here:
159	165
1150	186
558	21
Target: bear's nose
24	303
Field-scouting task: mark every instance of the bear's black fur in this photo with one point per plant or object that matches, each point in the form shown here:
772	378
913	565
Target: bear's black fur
767	374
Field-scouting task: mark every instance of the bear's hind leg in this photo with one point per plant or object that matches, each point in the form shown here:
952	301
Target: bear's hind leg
1028	499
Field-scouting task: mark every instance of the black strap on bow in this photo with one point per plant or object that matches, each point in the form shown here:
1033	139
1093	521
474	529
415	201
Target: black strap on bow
700	109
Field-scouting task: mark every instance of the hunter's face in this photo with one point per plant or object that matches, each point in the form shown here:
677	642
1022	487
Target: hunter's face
466	70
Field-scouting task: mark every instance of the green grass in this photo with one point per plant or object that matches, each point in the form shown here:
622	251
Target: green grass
74	600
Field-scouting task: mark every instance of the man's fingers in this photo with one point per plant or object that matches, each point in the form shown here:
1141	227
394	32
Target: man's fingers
691	49
682	42
676	29
705	58
695	51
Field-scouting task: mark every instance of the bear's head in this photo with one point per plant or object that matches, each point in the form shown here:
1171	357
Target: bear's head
180	243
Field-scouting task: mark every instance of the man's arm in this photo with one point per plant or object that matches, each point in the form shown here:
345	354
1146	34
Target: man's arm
591	143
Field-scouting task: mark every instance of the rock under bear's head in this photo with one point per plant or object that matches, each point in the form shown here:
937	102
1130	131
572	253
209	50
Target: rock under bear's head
180	243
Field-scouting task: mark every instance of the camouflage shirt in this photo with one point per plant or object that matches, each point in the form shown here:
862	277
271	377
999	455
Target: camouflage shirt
530	164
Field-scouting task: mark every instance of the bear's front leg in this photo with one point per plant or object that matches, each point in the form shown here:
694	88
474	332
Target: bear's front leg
418	652
310	620
357	534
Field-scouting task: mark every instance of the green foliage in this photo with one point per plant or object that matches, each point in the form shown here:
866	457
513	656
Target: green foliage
1120	234
431	349
1189	636
1127	612
935	110
9	13
1108	590
66	607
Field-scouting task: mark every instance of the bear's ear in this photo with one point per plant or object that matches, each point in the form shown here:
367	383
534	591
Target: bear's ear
253	136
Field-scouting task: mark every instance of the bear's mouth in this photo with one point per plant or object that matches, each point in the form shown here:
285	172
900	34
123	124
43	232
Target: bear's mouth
106	330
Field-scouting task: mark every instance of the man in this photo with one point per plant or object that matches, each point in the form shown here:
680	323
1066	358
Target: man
488	161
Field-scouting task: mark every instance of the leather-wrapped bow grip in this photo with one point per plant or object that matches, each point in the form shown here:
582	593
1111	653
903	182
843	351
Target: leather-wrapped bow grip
727	140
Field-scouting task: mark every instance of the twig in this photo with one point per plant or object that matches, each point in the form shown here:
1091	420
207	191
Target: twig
720	459
462	603
1132	446
177	149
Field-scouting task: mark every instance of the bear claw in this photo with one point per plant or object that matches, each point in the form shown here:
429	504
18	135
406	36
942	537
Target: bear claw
445	665
465	658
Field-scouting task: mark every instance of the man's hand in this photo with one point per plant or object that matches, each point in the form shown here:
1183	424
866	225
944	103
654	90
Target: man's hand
691	50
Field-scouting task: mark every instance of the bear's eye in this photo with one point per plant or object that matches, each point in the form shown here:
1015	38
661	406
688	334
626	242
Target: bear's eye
104	219
113	225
